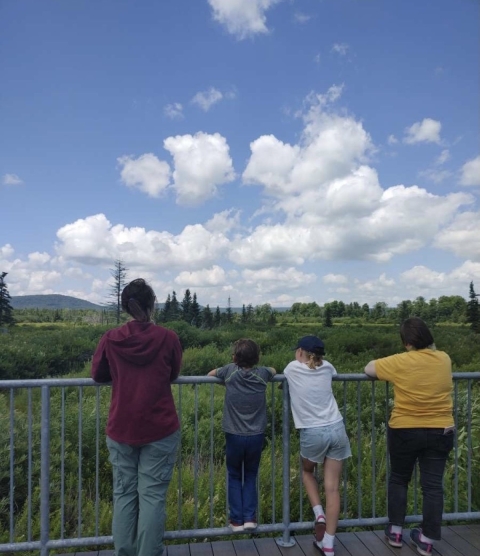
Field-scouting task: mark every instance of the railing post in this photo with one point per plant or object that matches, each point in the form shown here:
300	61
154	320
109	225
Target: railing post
45	472
286	540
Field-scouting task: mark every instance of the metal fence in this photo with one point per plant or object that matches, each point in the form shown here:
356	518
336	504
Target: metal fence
55	479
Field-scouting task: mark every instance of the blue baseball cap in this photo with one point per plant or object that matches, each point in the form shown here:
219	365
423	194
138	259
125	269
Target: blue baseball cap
311	344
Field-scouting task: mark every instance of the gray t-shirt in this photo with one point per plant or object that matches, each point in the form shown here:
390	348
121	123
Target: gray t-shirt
245	408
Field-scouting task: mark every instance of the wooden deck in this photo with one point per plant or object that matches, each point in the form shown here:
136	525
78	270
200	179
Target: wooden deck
458	540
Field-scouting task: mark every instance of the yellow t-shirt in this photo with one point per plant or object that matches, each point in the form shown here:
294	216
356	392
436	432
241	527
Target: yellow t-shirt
422	387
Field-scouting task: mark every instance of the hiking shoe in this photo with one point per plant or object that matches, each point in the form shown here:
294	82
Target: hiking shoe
250	525
394	539
236	527
319	528
423	548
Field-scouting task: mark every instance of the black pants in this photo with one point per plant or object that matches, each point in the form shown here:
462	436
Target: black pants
430	447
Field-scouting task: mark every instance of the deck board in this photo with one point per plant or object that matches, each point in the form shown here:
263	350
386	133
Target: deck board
457	540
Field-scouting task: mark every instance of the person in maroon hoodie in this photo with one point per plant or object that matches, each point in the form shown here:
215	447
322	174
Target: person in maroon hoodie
141	360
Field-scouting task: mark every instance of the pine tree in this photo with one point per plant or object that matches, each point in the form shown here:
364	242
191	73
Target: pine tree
473	310
166	311
119	275
6	309
217	319
244	314
187	307
207	318
228	312
175	310
195	310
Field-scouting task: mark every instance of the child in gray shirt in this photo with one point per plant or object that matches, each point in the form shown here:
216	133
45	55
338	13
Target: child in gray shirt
244	423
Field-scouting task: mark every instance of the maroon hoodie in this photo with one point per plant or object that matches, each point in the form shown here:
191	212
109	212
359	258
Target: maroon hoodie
140	359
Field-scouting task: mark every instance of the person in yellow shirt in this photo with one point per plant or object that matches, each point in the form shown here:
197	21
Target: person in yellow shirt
421	428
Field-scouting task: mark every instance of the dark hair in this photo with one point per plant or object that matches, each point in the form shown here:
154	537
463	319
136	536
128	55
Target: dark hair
415	332
246	353
138	300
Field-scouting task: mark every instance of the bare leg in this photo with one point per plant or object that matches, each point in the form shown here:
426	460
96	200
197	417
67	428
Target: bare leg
332	471
310	482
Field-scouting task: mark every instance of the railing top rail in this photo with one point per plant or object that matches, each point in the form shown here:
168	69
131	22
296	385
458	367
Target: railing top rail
65	382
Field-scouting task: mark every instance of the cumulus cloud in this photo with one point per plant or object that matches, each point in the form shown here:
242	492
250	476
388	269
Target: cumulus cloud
275	279
340	48
223	221
426	131
335	279
242	18
11	179
206	99
462	236
95	241
392	140
146	173
202	164
205	278
470	172
174	111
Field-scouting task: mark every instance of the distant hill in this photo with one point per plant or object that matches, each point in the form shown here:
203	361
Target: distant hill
52	301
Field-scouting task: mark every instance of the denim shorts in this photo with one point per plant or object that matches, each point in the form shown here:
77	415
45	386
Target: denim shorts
330	441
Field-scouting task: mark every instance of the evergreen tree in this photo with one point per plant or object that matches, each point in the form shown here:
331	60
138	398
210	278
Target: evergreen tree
228	312
328	316
249	312
6	309
119	275
207	318
473	310
187	307
244	314
175	310
166	311
404	310
195	310
217	319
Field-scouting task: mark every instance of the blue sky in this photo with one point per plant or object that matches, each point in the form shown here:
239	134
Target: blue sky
270	151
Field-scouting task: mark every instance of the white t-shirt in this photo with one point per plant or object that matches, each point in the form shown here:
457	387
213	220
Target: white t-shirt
311	397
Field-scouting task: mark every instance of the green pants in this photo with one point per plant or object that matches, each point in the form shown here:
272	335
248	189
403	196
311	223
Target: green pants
141	475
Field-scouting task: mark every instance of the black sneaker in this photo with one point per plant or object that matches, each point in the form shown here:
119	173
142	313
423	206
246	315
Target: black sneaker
394	539
423	548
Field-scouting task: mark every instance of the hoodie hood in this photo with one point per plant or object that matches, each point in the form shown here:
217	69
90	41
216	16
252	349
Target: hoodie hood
137	342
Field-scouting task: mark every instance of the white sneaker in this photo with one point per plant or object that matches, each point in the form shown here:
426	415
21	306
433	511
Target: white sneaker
250	525
236	527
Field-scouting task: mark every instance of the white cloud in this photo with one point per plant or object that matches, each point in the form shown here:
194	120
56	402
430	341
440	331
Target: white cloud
242	18
202	163
471	172
205	278
6	251
340	48
95	241
435	175
174	111
426	131
335	279
462	236
275	279
443	157
146	173
223	221
301	18
11	179
206	99
392	140
318	57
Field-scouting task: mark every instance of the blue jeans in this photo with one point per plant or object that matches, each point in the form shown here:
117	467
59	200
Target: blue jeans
141	475
430	447
243	452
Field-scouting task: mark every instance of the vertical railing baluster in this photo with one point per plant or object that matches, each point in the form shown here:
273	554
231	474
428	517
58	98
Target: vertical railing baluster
455	404
45	472
179	460
62	466
469	445
345	475
195	465
29	419
97	459
387	458
359	451
272	452
12	464
210	479
374	455
80	448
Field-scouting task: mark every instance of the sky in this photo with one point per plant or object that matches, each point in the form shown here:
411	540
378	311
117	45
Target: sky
262	151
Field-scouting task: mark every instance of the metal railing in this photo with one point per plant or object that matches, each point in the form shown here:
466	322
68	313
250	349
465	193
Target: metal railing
55	480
